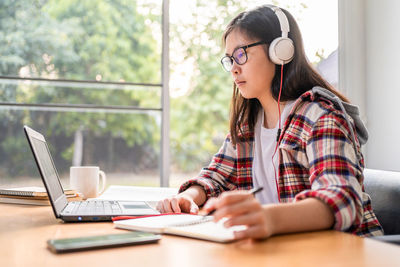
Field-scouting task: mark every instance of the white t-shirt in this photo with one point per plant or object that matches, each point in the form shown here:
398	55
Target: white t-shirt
264	144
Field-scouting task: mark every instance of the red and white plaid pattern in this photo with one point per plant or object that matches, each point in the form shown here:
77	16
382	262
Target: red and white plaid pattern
316	159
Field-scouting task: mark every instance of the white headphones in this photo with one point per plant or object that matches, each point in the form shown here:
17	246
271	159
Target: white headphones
281	49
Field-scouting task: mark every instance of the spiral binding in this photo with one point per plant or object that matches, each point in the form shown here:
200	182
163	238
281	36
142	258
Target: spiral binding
16	193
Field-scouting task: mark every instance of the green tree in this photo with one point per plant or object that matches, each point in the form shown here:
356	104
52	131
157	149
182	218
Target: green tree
78	40
25	34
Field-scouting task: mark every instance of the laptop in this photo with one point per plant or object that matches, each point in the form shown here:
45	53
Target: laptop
77	211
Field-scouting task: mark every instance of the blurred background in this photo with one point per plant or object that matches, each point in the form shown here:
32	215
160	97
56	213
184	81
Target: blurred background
88	75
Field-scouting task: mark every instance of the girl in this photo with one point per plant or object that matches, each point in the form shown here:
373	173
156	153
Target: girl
319	180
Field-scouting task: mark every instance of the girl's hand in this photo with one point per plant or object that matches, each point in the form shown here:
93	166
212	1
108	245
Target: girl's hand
177	204
241	208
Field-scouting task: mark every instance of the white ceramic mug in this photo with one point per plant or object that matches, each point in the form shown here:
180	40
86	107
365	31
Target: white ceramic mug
85	180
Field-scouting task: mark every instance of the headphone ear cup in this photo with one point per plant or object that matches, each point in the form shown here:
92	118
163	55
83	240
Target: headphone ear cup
281	50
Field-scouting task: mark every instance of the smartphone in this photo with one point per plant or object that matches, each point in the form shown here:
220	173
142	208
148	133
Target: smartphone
101	241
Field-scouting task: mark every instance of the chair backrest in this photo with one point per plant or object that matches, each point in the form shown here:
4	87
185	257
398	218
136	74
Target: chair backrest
384	189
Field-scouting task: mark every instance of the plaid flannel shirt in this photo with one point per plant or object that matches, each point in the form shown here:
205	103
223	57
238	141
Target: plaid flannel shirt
317	158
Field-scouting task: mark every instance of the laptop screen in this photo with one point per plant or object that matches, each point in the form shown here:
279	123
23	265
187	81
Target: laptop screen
47	170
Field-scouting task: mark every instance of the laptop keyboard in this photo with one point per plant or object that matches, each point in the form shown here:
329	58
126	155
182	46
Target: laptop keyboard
99	207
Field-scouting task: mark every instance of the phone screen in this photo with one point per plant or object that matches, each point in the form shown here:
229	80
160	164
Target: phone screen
101	241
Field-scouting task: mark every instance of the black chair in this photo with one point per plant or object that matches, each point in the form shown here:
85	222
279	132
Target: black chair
384	189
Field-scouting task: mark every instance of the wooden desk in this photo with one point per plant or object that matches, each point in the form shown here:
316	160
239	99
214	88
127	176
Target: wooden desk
25	229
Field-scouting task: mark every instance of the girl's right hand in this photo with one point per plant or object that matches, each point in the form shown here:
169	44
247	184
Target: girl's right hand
177	204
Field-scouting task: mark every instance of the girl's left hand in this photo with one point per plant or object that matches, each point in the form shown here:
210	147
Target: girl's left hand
241	208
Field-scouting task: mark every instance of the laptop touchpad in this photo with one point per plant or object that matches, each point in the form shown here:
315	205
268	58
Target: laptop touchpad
138	207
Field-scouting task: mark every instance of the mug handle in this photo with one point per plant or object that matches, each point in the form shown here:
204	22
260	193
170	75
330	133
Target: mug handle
103	181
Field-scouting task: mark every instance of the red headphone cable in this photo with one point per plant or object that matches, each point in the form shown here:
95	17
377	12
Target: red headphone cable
278	133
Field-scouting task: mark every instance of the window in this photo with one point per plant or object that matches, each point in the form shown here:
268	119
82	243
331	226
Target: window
86	74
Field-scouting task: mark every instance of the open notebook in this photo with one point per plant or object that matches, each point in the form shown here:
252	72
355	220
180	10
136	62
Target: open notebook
194	226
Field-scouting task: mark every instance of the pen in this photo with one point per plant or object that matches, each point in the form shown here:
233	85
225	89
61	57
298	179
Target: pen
256	190
252	191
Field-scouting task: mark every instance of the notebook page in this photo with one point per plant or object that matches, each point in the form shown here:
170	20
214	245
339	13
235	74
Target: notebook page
208	230
165	220
194	226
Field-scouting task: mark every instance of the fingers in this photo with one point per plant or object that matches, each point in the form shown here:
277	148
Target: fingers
194	209
159	206
167	206
226	198
210	205
256	232
174	203
241	208
177	204
251	218
188	205
232	204
247	206
257	224
164	206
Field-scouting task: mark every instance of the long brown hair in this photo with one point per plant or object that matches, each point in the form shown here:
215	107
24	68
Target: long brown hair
299	75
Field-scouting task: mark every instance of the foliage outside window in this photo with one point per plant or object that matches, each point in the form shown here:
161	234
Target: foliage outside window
86	66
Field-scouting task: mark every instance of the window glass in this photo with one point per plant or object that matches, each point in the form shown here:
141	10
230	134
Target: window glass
87	75
95	40
124	144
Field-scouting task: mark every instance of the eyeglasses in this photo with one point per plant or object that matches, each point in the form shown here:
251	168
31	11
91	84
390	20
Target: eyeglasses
239	55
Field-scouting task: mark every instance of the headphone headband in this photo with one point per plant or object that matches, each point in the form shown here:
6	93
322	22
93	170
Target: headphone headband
283	21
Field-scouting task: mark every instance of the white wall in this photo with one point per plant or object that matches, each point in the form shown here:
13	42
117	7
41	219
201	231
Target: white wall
369	74
383	83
